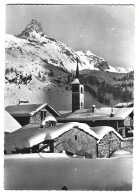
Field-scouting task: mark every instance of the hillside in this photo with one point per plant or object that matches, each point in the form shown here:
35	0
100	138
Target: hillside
39	68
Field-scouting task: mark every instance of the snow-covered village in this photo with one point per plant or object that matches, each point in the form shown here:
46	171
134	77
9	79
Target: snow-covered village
69	113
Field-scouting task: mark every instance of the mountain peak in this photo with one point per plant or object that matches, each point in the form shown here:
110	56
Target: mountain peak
34	27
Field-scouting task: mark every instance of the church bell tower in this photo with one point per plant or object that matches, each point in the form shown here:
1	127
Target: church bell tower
77	92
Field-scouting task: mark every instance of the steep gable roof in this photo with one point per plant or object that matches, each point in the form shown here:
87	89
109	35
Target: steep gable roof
101	131
29	109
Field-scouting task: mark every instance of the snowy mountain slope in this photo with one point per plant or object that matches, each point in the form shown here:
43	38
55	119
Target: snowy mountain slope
112	69
45	50
118	69
34	46
123	70
39	69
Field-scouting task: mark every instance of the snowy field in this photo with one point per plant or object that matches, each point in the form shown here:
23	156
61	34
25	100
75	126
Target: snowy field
36	172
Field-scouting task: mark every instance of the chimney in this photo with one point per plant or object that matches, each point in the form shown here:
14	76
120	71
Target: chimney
93	109
112	113
21	102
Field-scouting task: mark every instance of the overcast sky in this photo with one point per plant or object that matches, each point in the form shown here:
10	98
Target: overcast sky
105	30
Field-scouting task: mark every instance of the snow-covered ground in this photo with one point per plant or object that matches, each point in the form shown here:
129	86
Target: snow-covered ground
39	173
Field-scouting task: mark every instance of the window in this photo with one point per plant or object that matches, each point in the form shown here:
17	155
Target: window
43	114
75	137
75	88
81	90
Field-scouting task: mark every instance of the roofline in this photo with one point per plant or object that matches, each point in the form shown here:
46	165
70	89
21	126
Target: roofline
30	113
54	111
115	132
59	119
71	125
21	115
37	109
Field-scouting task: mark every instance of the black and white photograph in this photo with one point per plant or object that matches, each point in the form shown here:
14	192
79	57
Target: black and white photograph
69	97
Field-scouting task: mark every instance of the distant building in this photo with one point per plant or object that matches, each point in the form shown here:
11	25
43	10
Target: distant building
121	119
31	113
77	92
124	105
70	138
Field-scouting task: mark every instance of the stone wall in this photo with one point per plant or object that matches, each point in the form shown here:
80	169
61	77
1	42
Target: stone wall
125	125
36	118
122	131
128	121
108	144
115	143
77	142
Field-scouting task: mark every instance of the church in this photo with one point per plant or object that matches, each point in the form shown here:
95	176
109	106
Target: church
121	119
77	92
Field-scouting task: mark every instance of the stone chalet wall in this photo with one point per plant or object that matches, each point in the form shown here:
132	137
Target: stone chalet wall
115	143
108	144
36	118
128	121
77	142
123	126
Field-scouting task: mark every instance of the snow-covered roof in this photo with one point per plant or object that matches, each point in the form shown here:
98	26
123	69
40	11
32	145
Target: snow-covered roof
58	130
31	134
99	114
124	104
121	153
124	112
10	124
101	131
29	109
75	81
50	118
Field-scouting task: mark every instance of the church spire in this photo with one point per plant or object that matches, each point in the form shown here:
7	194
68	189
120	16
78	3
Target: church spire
77	69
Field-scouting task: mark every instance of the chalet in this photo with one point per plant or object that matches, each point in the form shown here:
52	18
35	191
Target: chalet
109	141
121	119
31	113
73	138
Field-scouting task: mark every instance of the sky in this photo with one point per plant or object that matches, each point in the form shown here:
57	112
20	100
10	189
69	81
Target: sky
105	30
